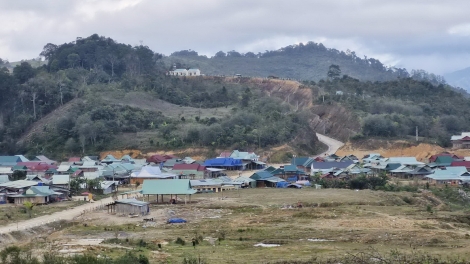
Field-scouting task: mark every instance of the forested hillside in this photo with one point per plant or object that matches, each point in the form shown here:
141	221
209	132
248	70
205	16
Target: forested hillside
393	109
308	61
96	94
83	89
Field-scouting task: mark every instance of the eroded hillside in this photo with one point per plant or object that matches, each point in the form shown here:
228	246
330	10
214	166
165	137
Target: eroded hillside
396	148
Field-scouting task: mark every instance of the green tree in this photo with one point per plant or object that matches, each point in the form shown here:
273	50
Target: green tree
29	207
93	185
23	72
334	71
246	97
18	175
75	185
73	59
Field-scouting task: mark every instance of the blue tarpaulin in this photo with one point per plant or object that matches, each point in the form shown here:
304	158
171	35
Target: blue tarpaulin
176	220
292	179
282	184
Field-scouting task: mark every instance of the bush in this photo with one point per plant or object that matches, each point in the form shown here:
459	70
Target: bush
180	241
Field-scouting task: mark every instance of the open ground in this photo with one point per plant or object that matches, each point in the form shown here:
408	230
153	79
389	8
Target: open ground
229	225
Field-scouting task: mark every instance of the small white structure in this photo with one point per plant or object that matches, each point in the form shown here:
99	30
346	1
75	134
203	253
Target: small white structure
184	72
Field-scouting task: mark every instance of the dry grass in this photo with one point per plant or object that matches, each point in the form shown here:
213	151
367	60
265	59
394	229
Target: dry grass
350	221
11	213
143	101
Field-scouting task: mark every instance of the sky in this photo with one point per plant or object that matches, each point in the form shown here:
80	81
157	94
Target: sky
433	35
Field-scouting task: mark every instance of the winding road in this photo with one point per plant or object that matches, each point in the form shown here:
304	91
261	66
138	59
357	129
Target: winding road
333	144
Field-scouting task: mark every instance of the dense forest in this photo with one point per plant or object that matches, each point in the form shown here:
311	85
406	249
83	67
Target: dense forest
81	74
308	61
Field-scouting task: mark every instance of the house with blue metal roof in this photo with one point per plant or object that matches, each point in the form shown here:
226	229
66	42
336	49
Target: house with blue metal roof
450	175
9	161
224	163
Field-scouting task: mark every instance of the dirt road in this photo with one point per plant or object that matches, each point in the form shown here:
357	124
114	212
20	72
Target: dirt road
333	144
68	214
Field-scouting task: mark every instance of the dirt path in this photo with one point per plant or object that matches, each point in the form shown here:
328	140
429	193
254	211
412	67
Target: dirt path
68	214
333	144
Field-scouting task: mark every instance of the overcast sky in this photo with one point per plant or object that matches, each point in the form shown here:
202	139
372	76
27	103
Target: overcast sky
416	34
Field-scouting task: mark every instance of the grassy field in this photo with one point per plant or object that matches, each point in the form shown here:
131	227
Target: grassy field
331	222
11	213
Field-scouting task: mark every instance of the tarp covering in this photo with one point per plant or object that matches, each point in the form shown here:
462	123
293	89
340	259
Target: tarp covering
176	221
292	179
282	184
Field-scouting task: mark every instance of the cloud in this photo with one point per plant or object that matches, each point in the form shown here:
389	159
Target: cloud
408	33
460	30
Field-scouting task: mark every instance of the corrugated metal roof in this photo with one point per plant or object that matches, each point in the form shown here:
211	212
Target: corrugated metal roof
4	178
173	186
261	175
274	179
223	162
18	184
207	182
91	175
331	164
64	167
132	201
404	160
450	173
243	179
60	179
9	160
107	184
243	155
22	158
5	170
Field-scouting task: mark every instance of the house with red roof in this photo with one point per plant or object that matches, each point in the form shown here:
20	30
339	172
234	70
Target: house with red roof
190	171
157	158
465	164
37	167
461	141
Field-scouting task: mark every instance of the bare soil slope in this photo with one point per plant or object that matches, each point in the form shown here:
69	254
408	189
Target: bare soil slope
395	148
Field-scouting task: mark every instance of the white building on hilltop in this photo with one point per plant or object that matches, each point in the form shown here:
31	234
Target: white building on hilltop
184	72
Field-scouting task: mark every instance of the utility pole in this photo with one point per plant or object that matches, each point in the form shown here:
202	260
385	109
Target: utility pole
417	139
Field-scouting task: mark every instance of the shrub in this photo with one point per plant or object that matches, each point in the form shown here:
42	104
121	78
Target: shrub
180	241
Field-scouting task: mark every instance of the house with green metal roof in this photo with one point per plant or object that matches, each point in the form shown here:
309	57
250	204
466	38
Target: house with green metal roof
259	175
34	194
441	161
270	169
167	187
302	163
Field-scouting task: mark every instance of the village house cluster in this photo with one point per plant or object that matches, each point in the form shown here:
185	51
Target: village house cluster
47	181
